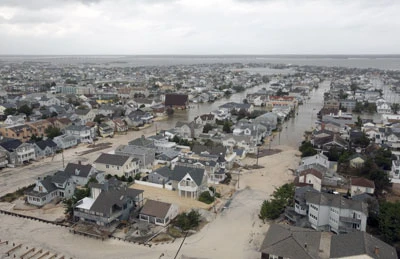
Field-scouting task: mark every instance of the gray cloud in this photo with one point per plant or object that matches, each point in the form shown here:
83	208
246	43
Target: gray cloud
198	27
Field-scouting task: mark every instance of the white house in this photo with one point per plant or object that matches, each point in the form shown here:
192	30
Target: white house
360	185
335	213
158	213
310	177
66	141
384	108
319	159
84	134
117	165
15	119
50	188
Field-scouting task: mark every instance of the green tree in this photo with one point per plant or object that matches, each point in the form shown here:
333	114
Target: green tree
187	221
10	111
206	197
52	132
395	107
281	198
270	210
359	122
207	128
358	108
389	218
227	127
307	149
99	118
25	109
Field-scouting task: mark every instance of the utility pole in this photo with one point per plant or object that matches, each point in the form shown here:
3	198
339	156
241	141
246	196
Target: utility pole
62	154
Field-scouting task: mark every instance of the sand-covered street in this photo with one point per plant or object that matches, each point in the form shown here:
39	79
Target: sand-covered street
236	232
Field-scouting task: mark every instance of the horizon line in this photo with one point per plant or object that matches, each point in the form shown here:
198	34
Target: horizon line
201	55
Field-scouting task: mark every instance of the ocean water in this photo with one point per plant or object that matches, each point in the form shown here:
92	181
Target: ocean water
384	62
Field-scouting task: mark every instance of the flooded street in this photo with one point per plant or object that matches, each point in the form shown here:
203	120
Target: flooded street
292	130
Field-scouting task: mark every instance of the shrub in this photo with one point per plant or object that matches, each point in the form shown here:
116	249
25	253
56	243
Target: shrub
186	221
206	197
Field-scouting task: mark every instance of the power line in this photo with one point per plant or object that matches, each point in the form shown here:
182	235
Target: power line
179	249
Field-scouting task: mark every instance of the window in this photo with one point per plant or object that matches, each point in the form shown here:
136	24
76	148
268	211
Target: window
107	166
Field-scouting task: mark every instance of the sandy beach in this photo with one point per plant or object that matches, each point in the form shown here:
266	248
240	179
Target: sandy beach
236	232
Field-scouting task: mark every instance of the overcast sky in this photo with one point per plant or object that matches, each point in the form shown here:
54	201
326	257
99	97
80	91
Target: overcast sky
199	27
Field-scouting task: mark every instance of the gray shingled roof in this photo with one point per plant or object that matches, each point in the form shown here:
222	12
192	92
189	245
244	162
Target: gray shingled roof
115	197
155	208
337	201
112	159
360	243
291	242
83	169
179	172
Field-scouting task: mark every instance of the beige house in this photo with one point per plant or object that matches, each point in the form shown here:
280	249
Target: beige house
117	165
310	177
357	161
360	185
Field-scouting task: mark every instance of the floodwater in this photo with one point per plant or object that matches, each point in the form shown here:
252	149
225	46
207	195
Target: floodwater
292	130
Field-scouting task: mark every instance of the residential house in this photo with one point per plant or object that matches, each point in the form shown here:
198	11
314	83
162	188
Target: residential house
15	119
84	134
395	171
310	177
44	148
335	213
318	159
145	155
49	101
348	105
117	165
119	126
189	181
205	119
47	189
284	241
176	101
357	161
158	213
106	130
384	108
39	127
226	156
360	185
245	142
66	141
161	143
109	202
60	123
21	132
85	115
331	104
228	107
3	158
190	130
18	153
360	245
281	101
81	173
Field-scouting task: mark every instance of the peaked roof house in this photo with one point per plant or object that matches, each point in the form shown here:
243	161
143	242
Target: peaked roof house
45	148
360	245
109	202
17	152
189	181
176	101
158	213
360	185
283	241
117	165
47	189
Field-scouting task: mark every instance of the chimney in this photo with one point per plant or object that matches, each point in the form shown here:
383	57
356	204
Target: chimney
305	246
376	250
79	162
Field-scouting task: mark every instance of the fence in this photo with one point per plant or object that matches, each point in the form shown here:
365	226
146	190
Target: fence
167	187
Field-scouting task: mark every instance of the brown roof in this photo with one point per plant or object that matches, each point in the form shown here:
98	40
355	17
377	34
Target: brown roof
313	172
155	208
360	181
176	99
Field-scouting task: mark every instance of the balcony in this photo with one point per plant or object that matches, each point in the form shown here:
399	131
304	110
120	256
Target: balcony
187	187
350	220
